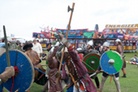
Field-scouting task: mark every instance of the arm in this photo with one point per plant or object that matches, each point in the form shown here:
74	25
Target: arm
120	50
40	47
73	53
53	53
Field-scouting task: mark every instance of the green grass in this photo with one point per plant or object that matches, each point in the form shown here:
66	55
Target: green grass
128	84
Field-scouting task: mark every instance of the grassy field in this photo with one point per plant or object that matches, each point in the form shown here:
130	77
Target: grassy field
128	84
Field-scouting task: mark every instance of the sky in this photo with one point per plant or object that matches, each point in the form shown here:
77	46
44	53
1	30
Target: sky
23	17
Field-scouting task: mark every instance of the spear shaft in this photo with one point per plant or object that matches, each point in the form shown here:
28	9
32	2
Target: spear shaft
6	45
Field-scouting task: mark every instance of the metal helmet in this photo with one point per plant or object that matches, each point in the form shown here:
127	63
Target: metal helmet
117	40
106	44
90	43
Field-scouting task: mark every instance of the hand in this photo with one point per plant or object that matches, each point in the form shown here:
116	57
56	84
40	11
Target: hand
63	39
57	44
52	49
61	35
97	71
58	74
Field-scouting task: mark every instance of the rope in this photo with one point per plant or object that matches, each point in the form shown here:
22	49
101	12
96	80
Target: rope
12	86
16	71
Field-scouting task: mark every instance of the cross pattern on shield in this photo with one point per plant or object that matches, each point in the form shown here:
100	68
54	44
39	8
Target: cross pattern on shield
111	62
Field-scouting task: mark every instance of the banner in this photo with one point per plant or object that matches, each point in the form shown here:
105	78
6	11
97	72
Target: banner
121	26
74	33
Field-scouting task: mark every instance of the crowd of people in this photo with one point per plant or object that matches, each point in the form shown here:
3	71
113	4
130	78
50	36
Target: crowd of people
73	72
65	65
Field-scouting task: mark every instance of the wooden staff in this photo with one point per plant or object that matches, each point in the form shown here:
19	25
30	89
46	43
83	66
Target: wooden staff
111	78
72	9
6	45
9	71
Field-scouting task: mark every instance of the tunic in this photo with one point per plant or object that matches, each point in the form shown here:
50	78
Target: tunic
53	64
80	70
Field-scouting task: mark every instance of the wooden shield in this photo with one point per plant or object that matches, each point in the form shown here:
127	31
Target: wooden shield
24	78
91	62
111	62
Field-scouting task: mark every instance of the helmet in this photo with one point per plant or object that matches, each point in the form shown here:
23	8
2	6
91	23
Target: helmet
79	49
90	43
106	44
117	40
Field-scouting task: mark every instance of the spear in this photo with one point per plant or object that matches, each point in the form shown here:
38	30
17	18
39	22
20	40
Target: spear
6	45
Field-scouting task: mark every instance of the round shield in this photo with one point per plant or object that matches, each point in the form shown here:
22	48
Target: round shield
24	78
91	62
111	62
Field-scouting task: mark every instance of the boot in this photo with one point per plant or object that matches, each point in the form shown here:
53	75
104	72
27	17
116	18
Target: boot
124	73
124	76
102	84
45	87
117	83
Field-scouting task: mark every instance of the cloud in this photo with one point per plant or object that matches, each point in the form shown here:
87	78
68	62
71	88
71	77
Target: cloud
22	17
